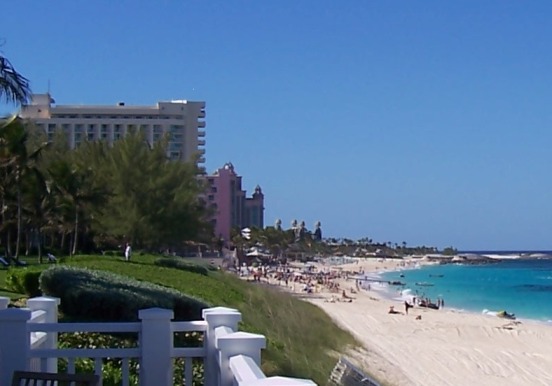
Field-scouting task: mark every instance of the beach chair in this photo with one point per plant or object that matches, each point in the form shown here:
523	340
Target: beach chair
30	378
51	258
20	263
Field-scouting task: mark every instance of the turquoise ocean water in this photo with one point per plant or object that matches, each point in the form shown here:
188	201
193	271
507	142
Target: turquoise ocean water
520	286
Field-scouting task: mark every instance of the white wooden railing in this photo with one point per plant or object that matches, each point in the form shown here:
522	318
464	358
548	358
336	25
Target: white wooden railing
29	341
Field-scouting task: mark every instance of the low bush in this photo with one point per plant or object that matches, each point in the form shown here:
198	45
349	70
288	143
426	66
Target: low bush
111	367
24	280
103	296
179	263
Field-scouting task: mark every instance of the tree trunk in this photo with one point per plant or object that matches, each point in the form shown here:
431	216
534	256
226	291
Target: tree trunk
18	238
8	244
62	241
28	241
39	246
76	232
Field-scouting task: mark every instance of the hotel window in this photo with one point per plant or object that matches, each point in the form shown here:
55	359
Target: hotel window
90	132
117	132
104	132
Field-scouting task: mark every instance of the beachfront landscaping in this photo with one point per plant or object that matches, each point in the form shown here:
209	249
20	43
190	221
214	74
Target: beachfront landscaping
302	341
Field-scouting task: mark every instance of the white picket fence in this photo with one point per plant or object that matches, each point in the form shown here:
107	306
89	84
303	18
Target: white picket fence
29	341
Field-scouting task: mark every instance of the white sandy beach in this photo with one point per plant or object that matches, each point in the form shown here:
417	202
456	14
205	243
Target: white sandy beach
445	347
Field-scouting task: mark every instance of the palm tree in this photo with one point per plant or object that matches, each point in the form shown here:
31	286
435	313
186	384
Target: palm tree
76	191
13	86
39	206
17	161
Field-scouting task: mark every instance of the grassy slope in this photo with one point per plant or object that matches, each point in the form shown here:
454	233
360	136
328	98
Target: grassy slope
4	290
302	341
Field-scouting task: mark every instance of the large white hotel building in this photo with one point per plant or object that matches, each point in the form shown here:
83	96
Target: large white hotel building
181	121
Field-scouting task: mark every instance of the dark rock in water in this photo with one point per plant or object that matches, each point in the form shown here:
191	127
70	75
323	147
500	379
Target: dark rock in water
536	287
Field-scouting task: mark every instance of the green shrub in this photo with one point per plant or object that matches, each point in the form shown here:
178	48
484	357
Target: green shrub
178	263
103	296
111	367
24	280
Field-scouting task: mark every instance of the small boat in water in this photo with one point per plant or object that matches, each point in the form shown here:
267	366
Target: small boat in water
396	282
436	275
424	284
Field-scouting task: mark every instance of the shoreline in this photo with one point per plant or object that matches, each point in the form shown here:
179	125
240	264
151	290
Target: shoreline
475	311
432	347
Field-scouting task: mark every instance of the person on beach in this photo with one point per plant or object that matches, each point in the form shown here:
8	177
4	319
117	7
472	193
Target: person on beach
407	306
128	251
392	310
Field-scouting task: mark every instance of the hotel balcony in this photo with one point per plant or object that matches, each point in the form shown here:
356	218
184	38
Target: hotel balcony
201	114
201	124
200	142
201	151
201	134
201	160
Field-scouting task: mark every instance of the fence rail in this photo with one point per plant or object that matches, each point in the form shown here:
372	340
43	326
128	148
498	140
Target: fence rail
29	341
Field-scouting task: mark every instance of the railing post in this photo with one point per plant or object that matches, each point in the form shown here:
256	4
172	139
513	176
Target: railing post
50	306
216	317
280	381
14	342
238	343
4	302
156	345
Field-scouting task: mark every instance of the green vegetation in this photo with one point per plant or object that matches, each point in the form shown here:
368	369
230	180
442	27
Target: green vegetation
25	281
450	251
302	341
178	263
95	295
95	197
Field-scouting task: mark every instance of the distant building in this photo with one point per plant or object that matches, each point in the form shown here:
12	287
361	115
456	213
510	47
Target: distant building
180	120
230	205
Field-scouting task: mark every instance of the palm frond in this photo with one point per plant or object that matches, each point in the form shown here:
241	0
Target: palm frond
14	87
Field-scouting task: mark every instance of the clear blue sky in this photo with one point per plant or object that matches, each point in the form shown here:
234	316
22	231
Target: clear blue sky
420	121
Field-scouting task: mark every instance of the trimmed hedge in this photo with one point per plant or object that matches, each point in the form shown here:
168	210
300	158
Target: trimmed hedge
179	263
103	296
24	280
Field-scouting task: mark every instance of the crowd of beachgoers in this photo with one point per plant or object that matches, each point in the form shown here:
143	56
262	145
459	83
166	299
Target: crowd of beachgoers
405	342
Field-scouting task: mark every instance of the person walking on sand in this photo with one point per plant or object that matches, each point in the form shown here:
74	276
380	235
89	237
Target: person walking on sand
406	306
128	251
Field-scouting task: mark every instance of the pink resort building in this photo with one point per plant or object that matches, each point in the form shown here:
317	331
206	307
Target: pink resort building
230	205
